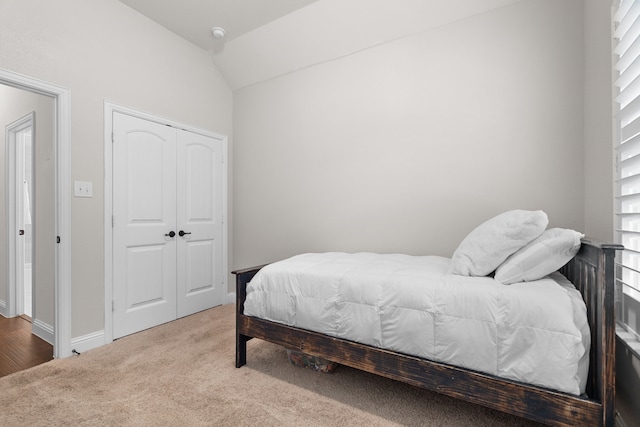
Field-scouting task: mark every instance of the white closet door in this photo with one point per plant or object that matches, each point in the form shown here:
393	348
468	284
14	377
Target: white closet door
167	232
144	208
199	240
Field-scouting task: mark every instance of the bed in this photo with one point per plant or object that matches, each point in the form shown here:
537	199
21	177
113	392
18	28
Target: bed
591	271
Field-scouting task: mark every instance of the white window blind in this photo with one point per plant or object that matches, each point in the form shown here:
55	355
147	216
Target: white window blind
626	51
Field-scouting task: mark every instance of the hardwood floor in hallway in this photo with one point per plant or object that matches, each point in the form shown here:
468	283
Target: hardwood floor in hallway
19	348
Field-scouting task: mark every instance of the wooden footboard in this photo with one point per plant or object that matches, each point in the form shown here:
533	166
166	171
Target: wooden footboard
592	271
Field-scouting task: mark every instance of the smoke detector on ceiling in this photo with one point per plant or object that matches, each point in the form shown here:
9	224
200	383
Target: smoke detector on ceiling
217	32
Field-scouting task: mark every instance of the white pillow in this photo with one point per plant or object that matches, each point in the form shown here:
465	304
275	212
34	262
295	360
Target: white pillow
489	244
541	257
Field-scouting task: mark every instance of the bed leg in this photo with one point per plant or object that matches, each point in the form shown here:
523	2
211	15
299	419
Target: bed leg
242	279
241	350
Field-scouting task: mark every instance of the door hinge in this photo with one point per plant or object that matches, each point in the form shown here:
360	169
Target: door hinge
113	305
113	220
113	137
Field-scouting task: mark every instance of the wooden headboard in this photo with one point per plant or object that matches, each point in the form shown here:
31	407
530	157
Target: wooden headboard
592	271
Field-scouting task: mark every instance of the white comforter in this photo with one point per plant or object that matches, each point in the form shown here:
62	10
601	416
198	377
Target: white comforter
533	332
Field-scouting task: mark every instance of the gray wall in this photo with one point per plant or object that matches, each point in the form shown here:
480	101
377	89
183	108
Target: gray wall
407	146
598	123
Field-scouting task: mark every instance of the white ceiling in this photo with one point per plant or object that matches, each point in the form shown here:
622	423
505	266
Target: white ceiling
193	19
270	38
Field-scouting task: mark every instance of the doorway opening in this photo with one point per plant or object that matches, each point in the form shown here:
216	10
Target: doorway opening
61	207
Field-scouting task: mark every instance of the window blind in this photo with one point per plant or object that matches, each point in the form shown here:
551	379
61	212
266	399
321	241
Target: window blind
626	34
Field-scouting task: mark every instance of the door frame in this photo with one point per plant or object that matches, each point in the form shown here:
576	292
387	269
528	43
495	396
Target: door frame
15	275
62	210
109	109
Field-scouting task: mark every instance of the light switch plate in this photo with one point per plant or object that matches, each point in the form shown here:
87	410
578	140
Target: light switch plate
83	189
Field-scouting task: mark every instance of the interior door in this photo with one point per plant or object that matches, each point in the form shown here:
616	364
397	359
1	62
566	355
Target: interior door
199	210
144	221
19	189
167	225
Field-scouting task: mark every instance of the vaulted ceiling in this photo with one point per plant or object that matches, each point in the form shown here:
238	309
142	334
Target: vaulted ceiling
193	19
268	38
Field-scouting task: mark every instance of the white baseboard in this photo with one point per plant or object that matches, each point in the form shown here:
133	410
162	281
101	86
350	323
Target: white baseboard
231	298
87	342
43	330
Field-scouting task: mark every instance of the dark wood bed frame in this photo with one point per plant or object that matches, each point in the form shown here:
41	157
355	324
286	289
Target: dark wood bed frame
591	271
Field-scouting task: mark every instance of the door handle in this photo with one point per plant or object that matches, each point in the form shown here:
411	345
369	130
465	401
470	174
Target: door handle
182	233
171	234
21	232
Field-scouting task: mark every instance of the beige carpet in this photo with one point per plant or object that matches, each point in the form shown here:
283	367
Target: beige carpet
182	374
